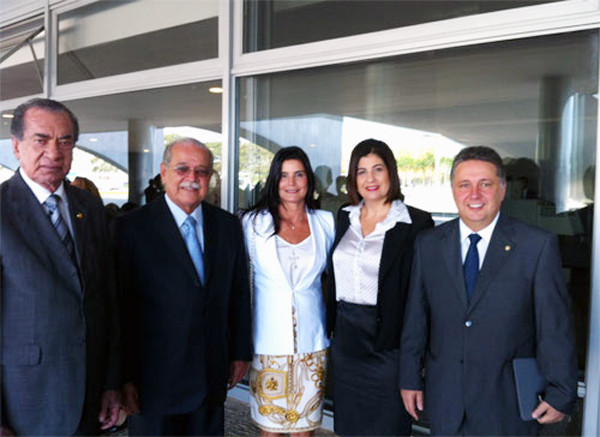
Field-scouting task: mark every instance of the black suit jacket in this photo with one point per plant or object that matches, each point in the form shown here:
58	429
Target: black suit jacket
181	335
520	308
394	274
59	323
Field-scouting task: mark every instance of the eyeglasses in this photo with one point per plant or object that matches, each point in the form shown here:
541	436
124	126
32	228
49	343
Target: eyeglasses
199	172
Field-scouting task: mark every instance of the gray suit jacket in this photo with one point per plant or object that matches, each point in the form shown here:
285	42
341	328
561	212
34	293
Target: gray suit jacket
520	308
59	332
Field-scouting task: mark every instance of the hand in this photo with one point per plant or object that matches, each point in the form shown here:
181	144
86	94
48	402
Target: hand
131	399
6	432
545	413
237	370
413	401
110	404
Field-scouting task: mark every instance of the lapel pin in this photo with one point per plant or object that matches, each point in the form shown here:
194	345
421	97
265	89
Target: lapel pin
507	247
79	215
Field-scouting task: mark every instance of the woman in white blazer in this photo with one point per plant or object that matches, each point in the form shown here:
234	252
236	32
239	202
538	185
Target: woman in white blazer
288	240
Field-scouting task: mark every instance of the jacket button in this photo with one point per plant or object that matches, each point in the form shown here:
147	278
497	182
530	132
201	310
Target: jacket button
468	323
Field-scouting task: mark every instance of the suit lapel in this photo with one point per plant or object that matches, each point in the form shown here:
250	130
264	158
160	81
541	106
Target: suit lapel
79	219
342	224
38	233
166	229
209	228
392	248
453	259
499	250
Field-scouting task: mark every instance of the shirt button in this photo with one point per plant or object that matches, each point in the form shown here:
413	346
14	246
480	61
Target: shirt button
468	323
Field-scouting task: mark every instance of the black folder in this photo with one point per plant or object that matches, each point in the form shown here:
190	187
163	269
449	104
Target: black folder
530	385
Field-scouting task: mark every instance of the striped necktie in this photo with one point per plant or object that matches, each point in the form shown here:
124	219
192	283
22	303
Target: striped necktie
60	225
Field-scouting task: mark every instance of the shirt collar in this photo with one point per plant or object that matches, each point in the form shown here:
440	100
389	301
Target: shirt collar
397	213
485	233
180	215
42	193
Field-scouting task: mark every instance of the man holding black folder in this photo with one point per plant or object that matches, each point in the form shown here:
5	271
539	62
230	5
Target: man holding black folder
485	290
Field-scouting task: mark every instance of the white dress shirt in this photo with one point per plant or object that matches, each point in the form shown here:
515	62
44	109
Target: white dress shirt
180	215
356	259
276	301
482	246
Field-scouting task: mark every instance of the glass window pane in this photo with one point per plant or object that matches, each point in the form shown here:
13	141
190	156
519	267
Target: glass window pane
534	100
270	24
22	54
123	136
108	38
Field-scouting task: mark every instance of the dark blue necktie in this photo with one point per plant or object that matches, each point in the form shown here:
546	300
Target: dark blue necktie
471	266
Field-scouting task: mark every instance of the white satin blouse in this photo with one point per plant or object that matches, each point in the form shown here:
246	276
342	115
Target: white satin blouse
356	259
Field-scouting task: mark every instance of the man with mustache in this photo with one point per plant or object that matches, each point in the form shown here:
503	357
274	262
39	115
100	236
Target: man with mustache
184	282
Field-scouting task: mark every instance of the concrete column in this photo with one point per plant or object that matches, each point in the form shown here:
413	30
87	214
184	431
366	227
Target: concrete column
141	152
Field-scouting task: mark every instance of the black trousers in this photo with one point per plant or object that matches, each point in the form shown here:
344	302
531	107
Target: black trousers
206	420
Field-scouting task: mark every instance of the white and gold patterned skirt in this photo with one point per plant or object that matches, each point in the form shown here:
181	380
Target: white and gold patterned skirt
286	391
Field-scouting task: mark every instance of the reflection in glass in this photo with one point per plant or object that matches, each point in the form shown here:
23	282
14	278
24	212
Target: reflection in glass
533	100
22	56
270	24
108	38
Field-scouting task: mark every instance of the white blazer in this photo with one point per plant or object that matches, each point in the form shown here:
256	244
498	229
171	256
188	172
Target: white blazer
274	298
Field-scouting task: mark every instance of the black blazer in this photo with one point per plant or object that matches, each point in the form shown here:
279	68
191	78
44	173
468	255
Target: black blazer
59	324
394	275
180	335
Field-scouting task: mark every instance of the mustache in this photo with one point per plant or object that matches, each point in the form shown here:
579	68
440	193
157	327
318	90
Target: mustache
190	185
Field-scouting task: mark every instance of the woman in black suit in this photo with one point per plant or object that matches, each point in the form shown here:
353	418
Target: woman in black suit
370	267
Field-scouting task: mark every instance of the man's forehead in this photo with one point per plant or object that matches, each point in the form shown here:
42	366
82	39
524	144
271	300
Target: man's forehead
44	118
187	153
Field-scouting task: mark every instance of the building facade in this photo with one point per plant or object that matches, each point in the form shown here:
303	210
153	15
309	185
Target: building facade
250	76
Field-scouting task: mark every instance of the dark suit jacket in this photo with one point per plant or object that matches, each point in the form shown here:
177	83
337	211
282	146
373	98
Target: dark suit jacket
520	308
59	334
181	335
394	272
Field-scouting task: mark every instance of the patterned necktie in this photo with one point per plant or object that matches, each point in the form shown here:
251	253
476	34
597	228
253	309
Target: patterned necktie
191	240
471	266
57	220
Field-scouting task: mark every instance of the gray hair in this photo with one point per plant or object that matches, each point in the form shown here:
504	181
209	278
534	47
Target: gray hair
480	153
187	140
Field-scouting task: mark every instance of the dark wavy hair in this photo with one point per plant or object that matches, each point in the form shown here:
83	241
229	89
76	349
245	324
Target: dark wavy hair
269	198
381	149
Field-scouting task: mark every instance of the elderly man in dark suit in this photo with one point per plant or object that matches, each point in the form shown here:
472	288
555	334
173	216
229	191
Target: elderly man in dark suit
485	289
59	325
184	279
